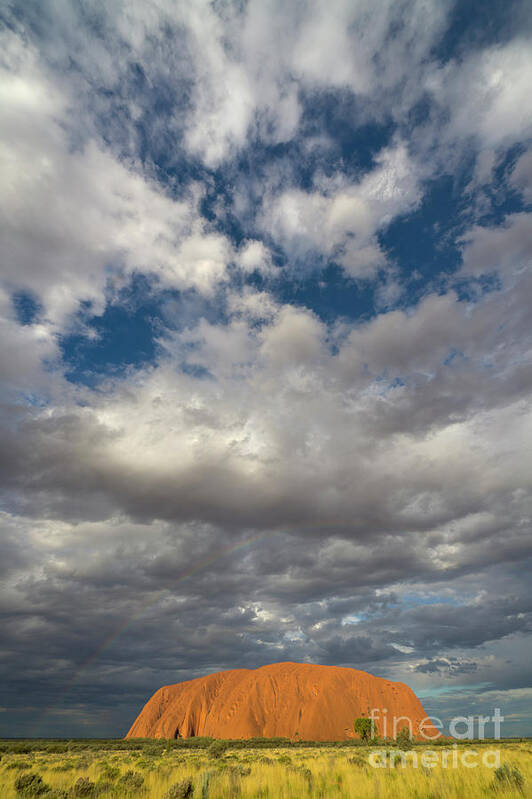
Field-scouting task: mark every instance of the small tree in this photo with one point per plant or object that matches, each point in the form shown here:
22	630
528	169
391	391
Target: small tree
362	727
404	739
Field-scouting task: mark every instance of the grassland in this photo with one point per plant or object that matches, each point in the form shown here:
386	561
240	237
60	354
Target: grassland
150	770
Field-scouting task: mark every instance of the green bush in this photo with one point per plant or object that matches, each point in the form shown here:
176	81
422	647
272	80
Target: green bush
109	772
180	790
357	760
404	739
66	766
509	777
84	762
218	748
82	788
306	773
144	763
131	781
284	759
154	750
28	785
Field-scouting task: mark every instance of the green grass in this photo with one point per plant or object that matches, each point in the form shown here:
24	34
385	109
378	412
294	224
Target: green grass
148	769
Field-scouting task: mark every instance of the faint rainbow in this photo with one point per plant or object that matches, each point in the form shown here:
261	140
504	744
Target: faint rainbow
199	566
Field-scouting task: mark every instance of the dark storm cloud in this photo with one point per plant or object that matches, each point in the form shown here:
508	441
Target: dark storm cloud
443	665
222	614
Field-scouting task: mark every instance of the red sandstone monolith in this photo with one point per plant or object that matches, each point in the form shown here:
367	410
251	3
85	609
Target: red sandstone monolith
300	701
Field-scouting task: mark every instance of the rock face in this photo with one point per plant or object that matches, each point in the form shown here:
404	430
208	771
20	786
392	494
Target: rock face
289	700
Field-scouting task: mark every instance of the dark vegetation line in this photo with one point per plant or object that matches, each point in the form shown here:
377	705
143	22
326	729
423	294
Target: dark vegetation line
155	747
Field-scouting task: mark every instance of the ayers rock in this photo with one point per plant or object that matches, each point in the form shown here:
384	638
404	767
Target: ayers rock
289	700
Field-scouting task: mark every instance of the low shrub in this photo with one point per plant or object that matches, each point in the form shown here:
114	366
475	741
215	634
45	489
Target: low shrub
131	781
154	750
305	772
180	790
109	772
218	748
284	760
507	776
404	739
82	788
66	766
144	763
84	762
28	785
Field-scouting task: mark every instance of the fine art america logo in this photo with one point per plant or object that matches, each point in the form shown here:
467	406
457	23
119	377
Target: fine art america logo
431	729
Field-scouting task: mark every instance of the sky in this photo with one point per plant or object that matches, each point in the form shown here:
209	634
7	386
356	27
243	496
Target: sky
265	310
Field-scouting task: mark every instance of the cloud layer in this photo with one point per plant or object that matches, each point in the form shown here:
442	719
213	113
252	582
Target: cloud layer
320	218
